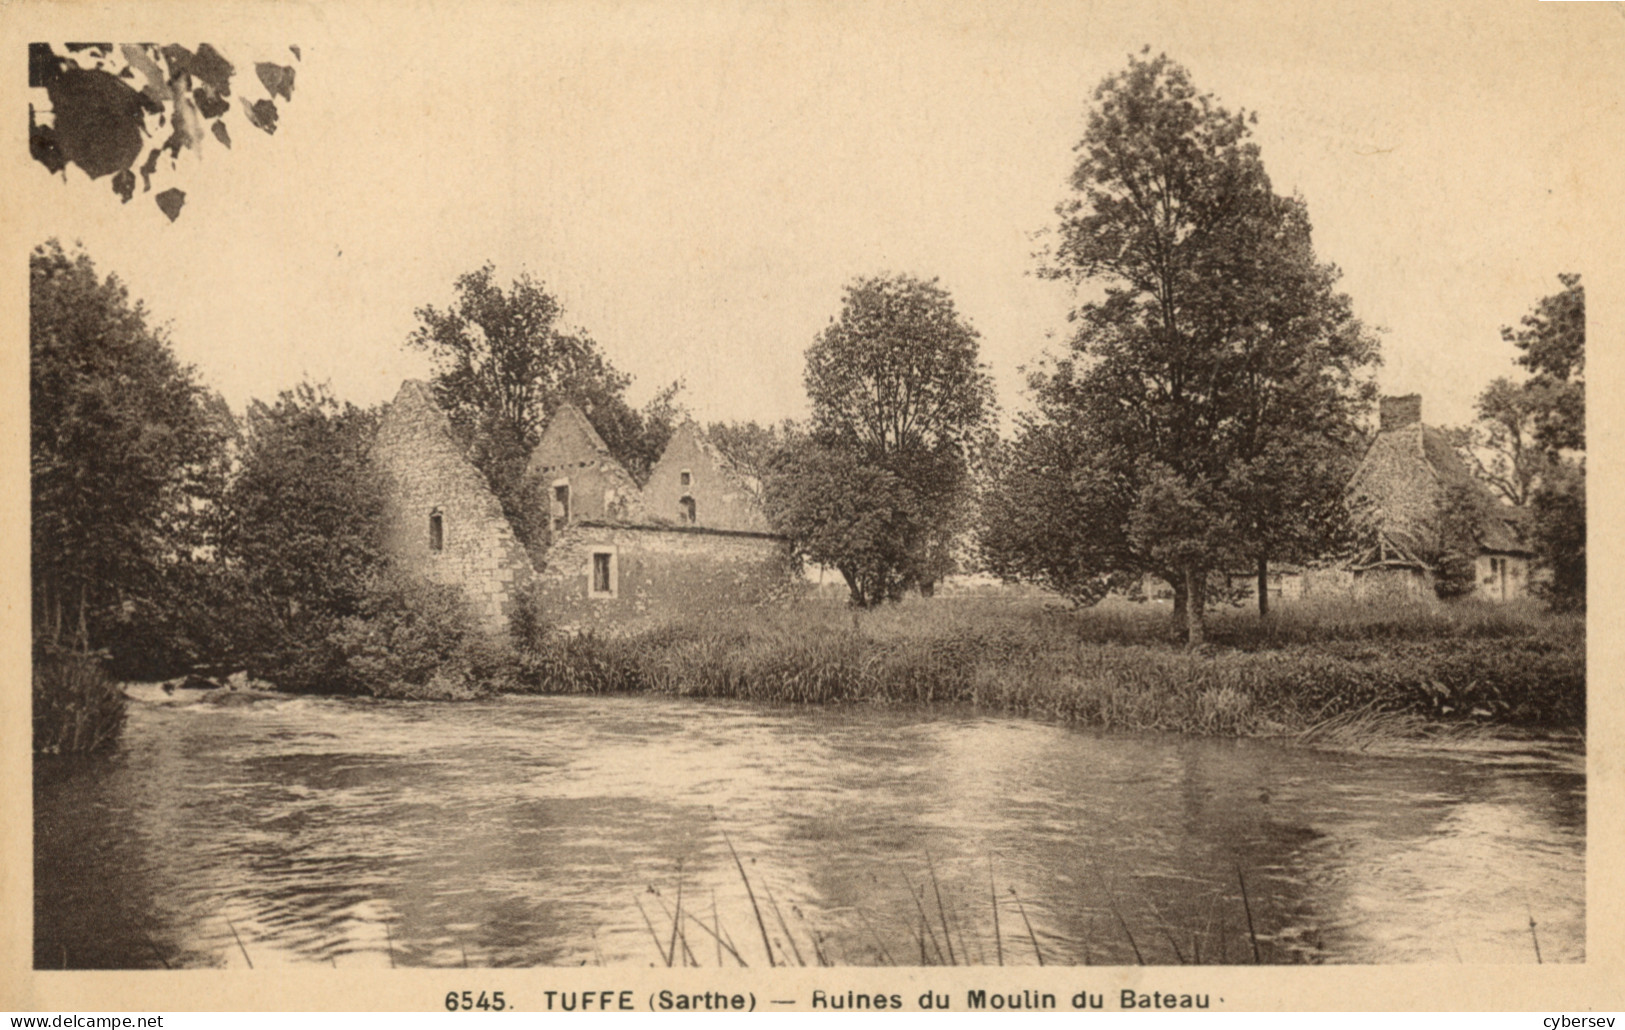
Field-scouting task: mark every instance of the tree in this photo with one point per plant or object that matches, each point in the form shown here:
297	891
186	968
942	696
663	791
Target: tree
504	361
300	533
1214	389
1559	531
1051	515
1552	339
751	447
843	512
896	384
101	123
1552	345
1501	447
126	454
1461	512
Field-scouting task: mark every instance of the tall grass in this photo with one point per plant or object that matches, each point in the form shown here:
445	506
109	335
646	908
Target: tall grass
1325	672
77	706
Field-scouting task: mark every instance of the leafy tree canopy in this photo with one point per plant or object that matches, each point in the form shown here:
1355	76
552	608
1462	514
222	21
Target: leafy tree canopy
504	360
127	452
849	514
897	388
1551	340
300	530
1215	387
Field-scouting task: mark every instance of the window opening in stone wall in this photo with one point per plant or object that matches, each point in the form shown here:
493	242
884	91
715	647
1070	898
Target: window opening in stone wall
686	478
437	531
603	574
561	506
685	507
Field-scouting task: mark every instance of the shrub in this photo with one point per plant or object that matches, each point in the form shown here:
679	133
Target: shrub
417	640
77	706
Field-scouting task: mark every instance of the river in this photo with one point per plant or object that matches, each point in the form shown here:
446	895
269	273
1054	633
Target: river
527	831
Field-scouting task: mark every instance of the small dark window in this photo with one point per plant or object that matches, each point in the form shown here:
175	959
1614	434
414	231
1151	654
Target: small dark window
602	579
437	532
686	478
561	506
686	507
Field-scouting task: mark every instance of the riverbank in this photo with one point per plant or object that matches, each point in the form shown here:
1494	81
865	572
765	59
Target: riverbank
1315	672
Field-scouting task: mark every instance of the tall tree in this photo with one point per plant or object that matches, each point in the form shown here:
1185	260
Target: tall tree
896	383
299	536
1214	388
1552	344
126	452
1501	447
1551	341
504	360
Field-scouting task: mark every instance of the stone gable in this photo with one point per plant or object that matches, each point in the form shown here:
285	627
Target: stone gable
694	484
574	470
441	520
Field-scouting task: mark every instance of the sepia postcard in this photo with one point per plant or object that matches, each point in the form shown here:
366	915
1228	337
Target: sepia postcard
812	506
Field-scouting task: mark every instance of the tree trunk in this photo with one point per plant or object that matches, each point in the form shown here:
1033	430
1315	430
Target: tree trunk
1177	581
928	588
1263	587
1195	602
857	599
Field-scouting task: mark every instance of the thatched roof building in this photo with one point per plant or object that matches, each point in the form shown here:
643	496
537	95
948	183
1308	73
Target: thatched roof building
1399	491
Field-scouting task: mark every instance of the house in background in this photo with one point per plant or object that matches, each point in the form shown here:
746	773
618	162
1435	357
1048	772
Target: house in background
1398	490
617	556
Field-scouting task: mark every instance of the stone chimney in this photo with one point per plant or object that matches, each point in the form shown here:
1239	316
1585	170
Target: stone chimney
1399	412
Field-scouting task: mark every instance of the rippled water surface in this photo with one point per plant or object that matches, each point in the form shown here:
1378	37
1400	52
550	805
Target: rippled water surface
560	831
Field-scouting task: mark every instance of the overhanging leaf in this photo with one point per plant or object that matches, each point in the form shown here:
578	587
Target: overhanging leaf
170	202
278	79
262	113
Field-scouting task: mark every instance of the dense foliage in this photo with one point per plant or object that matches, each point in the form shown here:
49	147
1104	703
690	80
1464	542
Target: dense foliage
77	706
300	534
1529	440
901	408
127	452
104	105
1206	414
504	360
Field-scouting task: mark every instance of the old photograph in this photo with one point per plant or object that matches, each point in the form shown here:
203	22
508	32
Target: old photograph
793	491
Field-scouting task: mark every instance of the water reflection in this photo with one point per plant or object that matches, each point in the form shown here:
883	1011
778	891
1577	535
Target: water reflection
559	831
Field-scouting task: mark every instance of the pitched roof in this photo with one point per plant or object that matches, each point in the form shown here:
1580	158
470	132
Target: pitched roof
1404	473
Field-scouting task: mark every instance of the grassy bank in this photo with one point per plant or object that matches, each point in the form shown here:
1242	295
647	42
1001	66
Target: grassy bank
1309	670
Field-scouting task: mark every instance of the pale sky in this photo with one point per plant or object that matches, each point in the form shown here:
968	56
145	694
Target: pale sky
697	181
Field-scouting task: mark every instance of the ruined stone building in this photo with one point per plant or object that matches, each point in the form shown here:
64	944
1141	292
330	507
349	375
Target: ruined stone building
616	556
1398	490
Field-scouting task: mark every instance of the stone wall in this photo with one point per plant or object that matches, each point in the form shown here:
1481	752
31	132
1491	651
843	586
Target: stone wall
659	573
428	476
1393	584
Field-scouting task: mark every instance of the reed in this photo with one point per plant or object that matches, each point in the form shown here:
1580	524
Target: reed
1359	676
77	707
